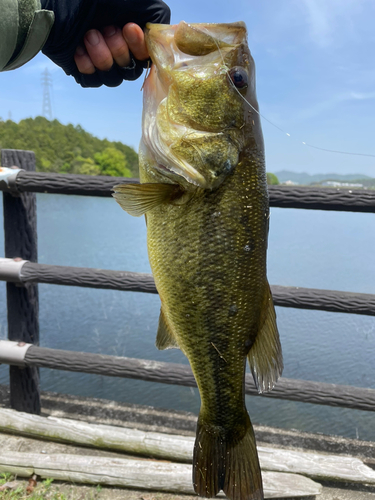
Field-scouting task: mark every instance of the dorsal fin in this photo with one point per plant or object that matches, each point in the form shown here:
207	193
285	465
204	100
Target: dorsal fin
137	199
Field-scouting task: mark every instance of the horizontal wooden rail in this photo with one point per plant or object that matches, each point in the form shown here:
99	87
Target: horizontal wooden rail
324	300
284	296
77	184
314	198
178	374
89	278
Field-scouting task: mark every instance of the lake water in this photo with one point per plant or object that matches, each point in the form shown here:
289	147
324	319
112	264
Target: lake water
314	249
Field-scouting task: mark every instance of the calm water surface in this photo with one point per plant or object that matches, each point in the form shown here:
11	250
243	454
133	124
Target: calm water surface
307	248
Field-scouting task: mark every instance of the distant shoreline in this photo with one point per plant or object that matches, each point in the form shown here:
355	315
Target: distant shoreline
331	180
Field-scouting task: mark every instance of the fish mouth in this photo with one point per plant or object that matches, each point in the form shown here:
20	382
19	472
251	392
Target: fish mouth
190	48
194	39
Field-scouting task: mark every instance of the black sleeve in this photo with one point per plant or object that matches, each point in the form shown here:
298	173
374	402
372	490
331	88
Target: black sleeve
73	18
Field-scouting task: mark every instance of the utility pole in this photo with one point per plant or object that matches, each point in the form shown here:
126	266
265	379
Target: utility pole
47	83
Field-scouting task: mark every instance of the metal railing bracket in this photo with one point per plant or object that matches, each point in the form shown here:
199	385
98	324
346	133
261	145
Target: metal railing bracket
10	269
13	353
8	178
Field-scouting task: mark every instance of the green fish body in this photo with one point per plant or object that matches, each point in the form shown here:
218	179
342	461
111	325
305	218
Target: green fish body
204	192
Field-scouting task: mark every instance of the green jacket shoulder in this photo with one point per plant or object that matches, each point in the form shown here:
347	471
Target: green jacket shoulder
24	29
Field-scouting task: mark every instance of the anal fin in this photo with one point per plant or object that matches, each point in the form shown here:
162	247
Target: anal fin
165	338
137	199
265	357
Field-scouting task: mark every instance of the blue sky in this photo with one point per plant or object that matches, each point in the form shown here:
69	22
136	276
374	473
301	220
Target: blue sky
315	80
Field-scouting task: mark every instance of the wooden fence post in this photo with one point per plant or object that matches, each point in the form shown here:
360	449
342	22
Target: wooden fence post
22	301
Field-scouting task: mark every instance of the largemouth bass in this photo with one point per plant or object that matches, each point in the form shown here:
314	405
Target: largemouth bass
204	193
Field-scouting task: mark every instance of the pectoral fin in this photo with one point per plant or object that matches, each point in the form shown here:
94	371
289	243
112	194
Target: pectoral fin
265	357
165	338
137	199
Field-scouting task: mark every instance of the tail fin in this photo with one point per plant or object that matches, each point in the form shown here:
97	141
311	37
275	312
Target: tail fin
228	464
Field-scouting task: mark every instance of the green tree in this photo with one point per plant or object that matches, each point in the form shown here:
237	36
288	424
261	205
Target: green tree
272	180
111	161
86	166
64	148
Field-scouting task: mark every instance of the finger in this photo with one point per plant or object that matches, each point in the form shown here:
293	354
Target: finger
135	39
83	61
117	45
98	51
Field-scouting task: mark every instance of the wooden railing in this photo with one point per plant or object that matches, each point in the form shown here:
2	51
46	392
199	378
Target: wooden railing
313	198
24	273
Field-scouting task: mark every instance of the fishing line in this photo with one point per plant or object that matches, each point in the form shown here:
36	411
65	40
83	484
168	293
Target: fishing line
334	151
286	133
269	121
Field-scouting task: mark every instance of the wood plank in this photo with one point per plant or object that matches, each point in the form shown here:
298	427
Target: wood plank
335	468
138	474
180	448
150	444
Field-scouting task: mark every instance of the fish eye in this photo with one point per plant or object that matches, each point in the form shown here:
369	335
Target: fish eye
239	77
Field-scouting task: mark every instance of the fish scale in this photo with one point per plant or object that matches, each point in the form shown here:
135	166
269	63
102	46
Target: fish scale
218	272
204	193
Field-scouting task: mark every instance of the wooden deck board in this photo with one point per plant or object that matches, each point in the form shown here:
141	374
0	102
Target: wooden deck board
146	418
180	448
9	443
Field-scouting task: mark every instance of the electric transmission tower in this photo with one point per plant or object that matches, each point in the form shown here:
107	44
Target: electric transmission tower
47	83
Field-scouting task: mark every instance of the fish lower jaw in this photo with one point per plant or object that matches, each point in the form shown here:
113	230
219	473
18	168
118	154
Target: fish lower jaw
188	173
174	168
159	150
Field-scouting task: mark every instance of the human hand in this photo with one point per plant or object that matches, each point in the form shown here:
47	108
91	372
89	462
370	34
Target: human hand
117	57
112	45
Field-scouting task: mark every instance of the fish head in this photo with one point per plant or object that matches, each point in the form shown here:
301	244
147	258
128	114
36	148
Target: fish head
196	113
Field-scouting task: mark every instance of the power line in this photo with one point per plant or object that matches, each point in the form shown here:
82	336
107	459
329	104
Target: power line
47	106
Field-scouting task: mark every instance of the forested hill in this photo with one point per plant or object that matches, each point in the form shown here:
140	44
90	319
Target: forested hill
68	148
